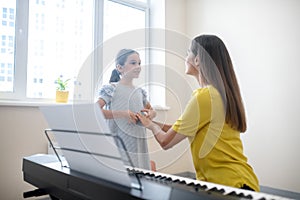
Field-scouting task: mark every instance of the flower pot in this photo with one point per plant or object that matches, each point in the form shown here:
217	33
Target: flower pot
62	96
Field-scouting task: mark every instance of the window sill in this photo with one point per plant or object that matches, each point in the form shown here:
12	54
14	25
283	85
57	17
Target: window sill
29	103
161	108
45	103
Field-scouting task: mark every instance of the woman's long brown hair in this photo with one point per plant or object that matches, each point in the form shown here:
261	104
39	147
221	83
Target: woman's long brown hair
213	52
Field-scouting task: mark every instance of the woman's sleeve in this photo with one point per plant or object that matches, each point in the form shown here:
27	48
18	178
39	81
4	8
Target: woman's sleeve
196	115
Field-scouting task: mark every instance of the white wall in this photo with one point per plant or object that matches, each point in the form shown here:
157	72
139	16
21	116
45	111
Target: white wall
263	37
21	134
177	159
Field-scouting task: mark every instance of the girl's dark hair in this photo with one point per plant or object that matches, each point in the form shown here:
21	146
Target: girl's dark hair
115	76
120	60
213	52
123	55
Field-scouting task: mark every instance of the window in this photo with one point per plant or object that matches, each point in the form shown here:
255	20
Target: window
7	42
56	37
53	43
120	19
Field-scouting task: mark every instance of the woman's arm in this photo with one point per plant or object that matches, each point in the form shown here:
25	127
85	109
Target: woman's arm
164	127
166	139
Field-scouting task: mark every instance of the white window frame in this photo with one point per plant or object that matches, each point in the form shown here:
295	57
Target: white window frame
99	35
21	46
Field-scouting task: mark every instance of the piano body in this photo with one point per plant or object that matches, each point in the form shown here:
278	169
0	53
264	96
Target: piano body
45	172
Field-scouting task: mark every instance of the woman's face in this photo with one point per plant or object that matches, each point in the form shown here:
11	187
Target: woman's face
191	67
132	66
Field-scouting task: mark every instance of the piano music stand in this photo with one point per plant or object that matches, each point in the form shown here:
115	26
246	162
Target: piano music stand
134	186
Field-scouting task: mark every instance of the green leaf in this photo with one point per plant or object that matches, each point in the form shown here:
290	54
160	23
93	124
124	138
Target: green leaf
61	84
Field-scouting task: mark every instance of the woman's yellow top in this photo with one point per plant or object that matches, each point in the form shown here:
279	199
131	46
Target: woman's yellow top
216	148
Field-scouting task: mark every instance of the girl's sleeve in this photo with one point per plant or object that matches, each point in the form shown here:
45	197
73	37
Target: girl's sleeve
106	93
145	97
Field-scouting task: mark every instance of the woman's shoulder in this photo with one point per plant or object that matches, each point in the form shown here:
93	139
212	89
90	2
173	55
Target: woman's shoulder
201	91
209	90
207	93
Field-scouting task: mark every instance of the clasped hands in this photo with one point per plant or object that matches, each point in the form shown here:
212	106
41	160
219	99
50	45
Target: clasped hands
145	116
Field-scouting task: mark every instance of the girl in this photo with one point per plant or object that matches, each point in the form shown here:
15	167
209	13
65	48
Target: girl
122	101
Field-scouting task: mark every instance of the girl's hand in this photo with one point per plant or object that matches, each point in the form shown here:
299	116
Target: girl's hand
132	118
149	113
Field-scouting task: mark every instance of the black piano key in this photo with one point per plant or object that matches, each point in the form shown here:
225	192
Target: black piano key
233	193
176	180
158	176
179	181
249	196
132	171
217	190
150	174
198	186
169	179
191	184
162	178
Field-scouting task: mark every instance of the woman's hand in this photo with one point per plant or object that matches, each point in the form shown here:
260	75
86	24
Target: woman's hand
145	120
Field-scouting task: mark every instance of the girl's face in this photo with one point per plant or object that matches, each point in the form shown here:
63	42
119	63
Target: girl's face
132	67
191	67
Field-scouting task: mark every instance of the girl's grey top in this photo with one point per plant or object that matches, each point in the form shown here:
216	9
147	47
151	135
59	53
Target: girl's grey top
122	97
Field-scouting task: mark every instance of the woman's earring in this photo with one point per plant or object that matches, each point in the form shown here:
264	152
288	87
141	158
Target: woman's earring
197	61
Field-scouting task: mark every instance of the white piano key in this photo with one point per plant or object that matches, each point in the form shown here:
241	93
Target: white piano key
209	186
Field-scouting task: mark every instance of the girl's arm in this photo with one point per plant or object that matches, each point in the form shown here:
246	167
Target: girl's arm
109	114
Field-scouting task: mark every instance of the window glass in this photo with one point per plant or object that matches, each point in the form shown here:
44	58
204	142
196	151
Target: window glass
7	55
144	1
118	19
60	38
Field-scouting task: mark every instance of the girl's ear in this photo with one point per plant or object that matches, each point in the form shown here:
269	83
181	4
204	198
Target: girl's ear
119	68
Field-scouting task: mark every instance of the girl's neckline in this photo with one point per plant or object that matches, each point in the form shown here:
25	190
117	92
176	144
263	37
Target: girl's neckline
124	85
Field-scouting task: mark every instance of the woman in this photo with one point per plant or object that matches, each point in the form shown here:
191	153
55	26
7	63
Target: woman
122	101
213	119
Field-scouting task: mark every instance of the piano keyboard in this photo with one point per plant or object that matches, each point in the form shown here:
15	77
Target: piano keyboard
202	185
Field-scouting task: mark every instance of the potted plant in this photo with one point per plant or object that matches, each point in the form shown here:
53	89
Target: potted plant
62	93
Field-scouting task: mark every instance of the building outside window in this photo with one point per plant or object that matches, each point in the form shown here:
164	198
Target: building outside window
7	31
61	34
60	37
